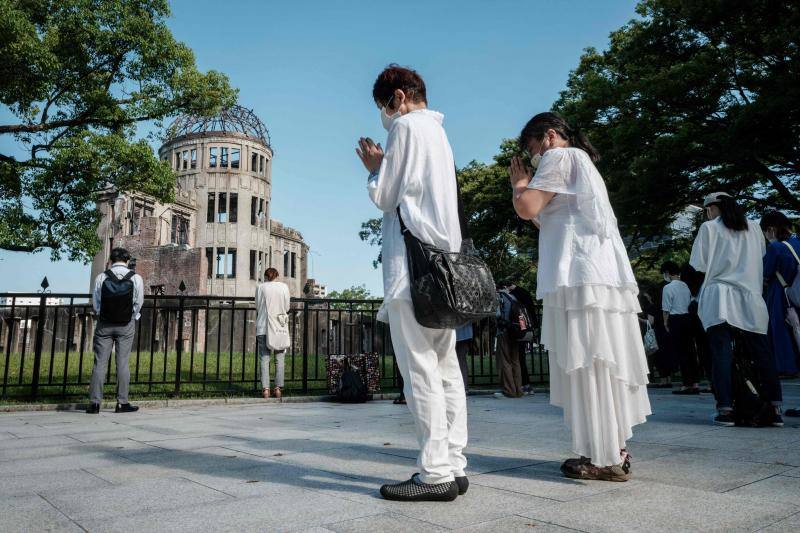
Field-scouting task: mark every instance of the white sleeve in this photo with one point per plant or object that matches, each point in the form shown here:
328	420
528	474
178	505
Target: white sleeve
699	259
553	173
138	295
287	299
666	299
388	187
97	291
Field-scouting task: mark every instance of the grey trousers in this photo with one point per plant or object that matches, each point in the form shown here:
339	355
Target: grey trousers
280	362
120	338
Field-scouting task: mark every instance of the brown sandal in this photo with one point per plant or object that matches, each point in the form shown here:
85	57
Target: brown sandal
277	393
265	393
584	469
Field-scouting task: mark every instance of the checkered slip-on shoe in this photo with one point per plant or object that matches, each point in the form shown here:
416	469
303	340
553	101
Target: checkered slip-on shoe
415	490
463	484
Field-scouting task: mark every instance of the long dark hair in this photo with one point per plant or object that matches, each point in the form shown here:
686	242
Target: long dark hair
539	124
732	214
779	221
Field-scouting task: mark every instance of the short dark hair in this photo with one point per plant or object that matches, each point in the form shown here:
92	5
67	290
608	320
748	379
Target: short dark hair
271	274
779	221
671	268
120	255
396	77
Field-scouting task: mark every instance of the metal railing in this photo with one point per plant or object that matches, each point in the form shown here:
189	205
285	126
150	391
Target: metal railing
203	345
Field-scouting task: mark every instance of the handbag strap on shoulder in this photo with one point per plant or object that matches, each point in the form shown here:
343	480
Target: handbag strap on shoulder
791	249
462	220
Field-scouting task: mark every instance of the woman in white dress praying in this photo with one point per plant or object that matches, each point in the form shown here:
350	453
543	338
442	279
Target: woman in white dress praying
598	368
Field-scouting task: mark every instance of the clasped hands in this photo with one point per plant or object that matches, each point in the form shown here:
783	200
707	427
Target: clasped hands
371	154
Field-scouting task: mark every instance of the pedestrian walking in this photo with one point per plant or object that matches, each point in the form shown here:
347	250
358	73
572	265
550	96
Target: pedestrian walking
117	298
598	368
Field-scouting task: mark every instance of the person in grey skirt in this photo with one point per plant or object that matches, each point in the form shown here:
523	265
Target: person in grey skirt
117	297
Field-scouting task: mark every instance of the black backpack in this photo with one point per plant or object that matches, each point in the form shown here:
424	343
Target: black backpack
514	318
749	408
116	298
351	387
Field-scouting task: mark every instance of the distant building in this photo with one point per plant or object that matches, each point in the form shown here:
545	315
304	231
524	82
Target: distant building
315	289
217	236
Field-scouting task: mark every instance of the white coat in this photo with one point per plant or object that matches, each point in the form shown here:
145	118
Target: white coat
272	319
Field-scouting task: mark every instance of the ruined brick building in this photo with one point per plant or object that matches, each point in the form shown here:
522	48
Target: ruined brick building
217	236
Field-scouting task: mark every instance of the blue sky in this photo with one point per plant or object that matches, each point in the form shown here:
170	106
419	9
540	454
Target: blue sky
307	67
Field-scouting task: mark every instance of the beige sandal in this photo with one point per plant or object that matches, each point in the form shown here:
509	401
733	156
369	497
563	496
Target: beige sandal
277	393
265	393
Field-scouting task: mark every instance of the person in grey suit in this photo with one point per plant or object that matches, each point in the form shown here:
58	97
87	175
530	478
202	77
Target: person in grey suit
117	298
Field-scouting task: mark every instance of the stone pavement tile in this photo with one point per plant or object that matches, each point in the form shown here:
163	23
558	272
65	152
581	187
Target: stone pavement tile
65	480
4	435
385	523
121	432
794	472
61	463
33	513
354	461
283	443
736	439
132	498
198	461
647	451
275	513
480	460
784	489
74	448
514	524
787	525
33	442
655	508
712	472
190	443
315	529
479	505
545	481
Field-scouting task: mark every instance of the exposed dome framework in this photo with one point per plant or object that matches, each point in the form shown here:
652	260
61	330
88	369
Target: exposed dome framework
236	119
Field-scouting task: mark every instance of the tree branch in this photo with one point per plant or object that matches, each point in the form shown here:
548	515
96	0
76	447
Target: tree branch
781	188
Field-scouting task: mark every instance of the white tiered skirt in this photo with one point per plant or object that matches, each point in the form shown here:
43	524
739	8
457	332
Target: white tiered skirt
598	368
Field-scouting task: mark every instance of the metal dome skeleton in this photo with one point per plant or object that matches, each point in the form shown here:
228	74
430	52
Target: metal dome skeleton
235	119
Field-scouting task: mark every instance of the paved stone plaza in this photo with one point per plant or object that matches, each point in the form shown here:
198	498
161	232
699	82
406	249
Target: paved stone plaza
317	467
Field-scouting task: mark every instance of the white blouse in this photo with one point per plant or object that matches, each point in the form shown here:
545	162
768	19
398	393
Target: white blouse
579	242
417	174
733	265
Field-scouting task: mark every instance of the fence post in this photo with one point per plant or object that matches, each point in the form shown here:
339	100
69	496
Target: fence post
305	346
179	340
37	350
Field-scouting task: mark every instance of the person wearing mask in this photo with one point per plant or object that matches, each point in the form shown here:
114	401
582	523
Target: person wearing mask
526	299
675	300
272	329
117	298
415	179
598	367
780	269
729	249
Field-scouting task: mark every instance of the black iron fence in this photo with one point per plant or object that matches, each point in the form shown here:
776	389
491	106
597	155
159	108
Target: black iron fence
204	345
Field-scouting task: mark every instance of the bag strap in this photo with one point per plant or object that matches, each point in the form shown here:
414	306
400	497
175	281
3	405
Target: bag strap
129	275
791	249
462	220
110	273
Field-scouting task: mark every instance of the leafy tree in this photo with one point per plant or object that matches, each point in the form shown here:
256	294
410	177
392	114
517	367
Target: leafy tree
691	97
356	292
77	76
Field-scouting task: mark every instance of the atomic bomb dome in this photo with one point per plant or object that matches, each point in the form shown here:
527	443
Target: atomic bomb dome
217	236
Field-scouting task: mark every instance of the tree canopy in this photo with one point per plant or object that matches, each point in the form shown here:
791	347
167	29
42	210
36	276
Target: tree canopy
76	77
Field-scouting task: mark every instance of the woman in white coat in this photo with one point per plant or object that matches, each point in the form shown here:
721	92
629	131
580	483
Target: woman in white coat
272	328
598	368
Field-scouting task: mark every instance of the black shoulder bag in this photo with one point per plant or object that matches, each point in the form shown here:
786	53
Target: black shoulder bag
448	289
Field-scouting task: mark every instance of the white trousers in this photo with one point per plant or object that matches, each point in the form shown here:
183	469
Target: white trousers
434	391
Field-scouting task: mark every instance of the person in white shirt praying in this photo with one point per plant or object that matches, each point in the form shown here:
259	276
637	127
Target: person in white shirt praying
598	367
729	250
415	178
675	300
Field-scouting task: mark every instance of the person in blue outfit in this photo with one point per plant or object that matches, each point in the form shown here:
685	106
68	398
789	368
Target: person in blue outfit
779	262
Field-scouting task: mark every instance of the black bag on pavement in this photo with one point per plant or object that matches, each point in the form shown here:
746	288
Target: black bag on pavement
116	298
351	387
749	408
448	289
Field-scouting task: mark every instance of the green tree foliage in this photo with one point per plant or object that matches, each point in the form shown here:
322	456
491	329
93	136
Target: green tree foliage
356	292
76	77
692	97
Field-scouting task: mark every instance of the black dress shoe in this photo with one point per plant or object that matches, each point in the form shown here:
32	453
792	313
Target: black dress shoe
93	409
463	484
415	490
125	408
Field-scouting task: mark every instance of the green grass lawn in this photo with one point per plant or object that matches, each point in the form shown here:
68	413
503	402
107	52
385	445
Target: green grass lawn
231	374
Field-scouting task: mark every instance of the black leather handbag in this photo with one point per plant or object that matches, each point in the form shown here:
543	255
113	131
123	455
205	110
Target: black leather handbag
448	289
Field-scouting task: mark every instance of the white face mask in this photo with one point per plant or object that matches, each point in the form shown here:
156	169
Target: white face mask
667	278
387	120
535	160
